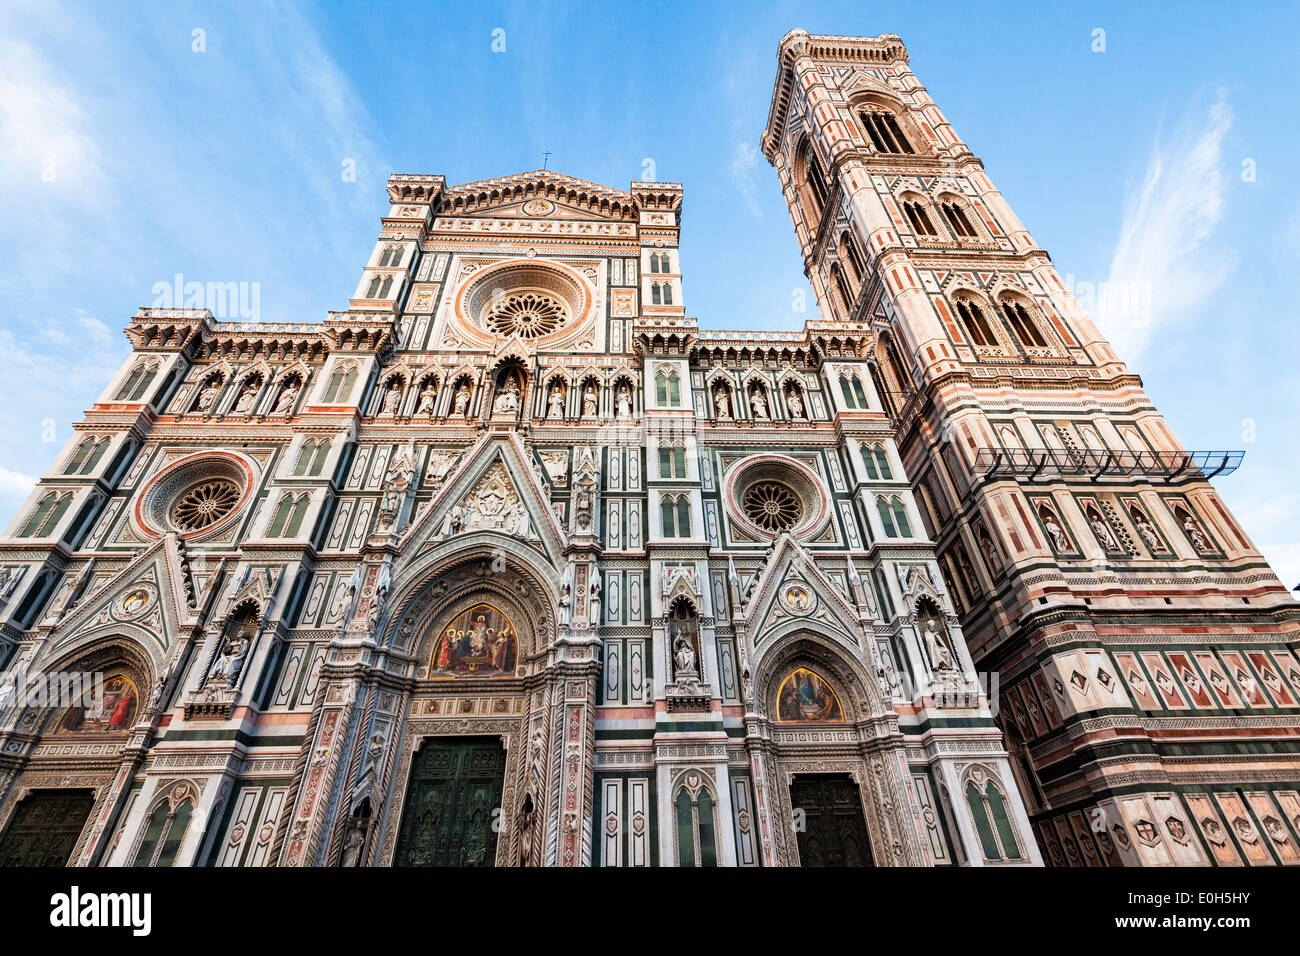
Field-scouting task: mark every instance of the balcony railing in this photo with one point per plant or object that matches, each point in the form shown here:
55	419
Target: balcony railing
1029	464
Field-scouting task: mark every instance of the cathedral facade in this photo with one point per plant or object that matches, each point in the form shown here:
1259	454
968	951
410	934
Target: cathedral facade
511	563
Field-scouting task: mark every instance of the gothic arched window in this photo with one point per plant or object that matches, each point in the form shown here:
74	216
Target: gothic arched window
668	293
88	454
668	516
876	463
668	388
163	833
47	514
137	382
672	460
1022	323
974	323
695	828
893	517
855	269
340	384
373	291
312	457
957	219
386	288
811	182
855	396
989	810
656	296
675	514
884	132
919	217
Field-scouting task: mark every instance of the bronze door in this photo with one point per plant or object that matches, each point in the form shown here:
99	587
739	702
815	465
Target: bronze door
834	830
452	804
45	828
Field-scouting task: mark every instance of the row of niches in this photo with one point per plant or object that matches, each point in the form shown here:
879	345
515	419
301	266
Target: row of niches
510	389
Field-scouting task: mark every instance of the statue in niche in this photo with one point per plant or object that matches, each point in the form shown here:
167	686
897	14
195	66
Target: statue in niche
759	404
461	404
796	406
589	402
507	400
1148	533
208	396
1102	532
392	398
1194	534
427	396
1059	537
595	597
555	404
526	821
624	402
564	604
352	844
244	404
937	648
683	656
284	404
683	632
721	403
231	660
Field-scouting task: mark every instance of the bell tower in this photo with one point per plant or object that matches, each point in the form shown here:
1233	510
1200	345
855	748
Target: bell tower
1142	645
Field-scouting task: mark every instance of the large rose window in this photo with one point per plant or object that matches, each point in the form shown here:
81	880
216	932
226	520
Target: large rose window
528	314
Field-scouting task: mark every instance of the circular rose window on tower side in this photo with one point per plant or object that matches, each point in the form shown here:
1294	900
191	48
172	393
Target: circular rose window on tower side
195	496
767	495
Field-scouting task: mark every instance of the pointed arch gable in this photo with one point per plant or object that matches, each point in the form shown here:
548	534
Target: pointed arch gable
159	569
508	450
764	613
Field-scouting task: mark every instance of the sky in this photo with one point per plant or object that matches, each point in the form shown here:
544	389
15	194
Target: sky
1145	146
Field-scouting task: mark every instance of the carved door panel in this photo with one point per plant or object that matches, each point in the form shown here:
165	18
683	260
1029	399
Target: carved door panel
451	804
834	831
45	828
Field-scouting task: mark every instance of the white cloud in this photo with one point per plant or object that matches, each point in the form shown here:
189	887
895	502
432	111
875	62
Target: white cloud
1163	267
14	484
744	173
94	327
43	141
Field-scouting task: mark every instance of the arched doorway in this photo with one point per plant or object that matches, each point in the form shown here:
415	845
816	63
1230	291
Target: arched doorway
835	787
50	810
467	785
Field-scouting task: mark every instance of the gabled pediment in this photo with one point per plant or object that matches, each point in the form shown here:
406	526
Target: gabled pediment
151	599
793	592
541	193
496	487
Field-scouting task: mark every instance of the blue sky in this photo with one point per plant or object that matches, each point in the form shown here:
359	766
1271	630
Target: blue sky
127	156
